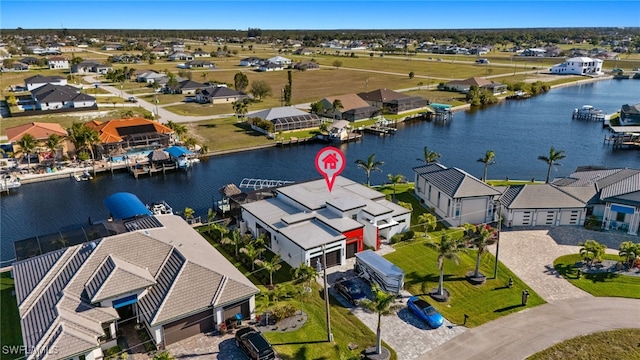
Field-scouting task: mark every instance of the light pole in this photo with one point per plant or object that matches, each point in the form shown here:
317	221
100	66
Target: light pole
322	268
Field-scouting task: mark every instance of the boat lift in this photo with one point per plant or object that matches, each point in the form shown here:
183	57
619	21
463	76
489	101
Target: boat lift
256	184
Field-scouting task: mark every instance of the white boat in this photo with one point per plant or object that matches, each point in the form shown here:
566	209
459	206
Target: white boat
83	177
9	182
588	112
160	208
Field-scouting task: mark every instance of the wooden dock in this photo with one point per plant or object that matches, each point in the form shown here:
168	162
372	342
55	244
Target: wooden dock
144	169
622	140
296	141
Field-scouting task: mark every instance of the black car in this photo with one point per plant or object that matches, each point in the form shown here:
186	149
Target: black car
253	344
351	289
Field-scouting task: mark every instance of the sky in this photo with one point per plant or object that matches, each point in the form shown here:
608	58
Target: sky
320	15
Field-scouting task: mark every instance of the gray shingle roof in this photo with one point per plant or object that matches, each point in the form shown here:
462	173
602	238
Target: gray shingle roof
538	197
115	277
58	93
40	79
220	91
628	182
454	182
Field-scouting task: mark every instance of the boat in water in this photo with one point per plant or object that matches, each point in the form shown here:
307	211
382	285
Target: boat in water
160	208
83	177
9	182
588	112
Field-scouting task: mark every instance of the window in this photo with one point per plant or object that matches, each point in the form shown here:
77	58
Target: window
429	197
438	205
620	216
457	214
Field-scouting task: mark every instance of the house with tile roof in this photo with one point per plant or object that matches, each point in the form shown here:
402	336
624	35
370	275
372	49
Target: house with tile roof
304	218
465	85
55	97
393	102
40	131
37	81
614	198
219	95
165	275
455	196
353	108
118	135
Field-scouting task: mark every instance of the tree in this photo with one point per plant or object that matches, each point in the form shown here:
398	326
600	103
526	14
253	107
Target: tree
552	159
317	107
337	64
12	100
260	89
218	231
336	105
428	221
304	273
83	137
172	84
487	160
188	213
429	156
591	251
383	305
447	248
178	129
271	266
395	180
252	251
369	165
163	356
287	89
27	144
240	81
204	76
240	108
480	236
412	75
629	252
53	143
236	239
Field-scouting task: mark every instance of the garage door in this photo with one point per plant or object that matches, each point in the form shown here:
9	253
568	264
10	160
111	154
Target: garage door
568	217
239	308
193	325
352	249
521	218
333	259
546	218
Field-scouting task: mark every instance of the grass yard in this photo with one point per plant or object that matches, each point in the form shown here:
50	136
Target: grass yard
599	284
10	331
309	342
226	134
619	344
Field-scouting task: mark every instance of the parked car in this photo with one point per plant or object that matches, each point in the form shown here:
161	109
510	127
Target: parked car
253	344
350	289
482	61
425	312
132	99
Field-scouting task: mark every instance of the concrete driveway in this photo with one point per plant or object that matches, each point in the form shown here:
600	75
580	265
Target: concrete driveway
207	346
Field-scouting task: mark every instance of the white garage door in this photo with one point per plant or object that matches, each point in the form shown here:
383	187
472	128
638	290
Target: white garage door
569	217
546	218
522	218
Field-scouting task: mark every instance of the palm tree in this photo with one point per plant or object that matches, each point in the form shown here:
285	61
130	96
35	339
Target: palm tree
369	165
336	105
304	273
395	179
219	229
480	236
53	143
271	266
429	156
447	248
252	251
591	251
552	159
27	144
240	109
487	160
428	221
629	251
236	239
382	304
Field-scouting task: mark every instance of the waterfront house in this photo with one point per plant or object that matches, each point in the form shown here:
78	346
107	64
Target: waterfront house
119	135
305	218
393	102
353	108
219	95
455	196
157	270
549	205
465	85
40	131
288	118
53	97
37	81
630	114
615	196
578	66
58	62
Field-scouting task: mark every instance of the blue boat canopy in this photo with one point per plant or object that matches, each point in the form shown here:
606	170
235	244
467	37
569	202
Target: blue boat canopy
177	151
125	205
440	106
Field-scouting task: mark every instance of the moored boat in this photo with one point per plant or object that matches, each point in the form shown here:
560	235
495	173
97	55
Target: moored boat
8	182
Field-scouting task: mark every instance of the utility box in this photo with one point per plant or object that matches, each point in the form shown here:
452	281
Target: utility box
376	269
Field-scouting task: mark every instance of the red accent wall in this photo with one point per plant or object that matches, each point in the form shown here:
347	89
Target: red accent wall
377	239
355	235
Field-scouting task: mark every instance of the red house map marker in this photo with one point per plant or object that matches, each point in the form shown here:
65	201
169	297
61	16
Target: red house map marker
330	162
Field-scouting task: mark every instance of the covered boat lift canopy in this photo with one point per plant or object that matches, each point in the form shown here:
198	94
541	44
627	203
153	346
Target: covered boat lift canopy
125	205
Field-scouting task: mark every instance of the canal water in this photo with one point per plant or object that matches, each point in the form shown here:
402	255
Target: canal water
517	130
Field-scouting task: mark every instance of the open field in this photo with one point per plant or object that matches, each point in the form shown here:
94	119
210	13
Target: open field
616	344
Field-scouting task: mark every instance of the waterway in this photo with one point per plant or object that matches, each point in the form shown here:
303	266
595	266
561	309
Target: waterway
517	130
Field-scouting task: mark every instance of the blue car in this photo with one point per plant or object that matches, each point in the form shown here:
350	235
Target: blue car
425	312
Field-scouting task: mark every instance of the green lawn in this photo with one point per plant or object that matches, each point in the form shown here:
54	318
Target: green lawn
10	332
599	284
309	342
616	344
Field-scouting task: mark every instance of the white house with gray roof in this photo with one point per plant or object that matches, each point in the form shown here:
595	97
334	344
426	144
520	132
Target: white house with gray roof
166	275
455	196
303	218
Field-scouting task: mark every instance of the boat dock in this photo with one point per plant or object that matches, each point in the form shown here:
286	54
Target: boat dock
296	141
144	169
588	112
623	137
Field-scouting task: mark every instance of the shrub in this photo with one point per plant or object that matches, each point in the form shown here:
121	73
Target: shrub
112	352
283	312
